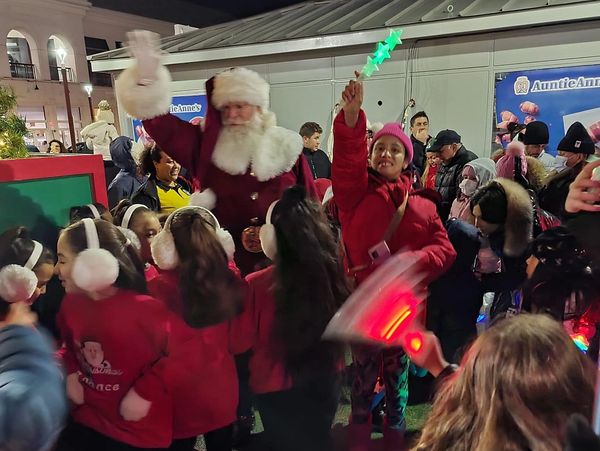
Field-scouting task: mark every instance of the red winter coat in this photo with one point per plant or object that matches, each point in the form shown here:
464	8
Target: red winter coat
367	203
240	198
124	341
207	398
255	330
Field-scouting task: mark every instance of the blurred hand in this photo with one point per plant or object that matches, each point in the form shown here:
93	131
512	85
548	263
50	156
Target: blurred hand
353	99
584	191
429	356
75	389
144	47
422	134
134	407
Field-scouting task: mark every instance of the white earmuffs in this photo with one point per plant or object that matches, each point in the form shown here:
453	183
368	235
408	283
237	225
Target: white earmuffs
129	213
164	252
94	268
94	211
268	237
18	283
124	227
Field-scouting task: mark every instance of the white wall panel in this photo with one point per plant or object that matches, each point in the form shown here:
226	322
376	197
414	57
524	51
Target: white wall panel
301	70
456	53
457	101
295	104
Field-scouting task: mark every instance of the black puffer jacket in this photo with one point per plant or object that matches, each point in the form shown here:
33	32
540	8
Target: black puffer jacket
449	177
553	195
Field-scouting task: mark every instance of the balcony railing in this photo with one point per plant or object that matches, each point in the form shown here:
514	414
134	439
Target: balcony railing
22	70
56	74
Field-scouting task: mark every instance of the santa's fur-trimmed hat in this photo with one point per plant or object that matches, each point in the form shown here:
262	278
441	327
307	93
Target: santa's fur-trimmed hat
240	85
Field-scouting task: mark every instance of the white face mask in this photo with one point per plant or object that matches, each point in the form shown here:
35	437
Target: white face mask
560	163
468	187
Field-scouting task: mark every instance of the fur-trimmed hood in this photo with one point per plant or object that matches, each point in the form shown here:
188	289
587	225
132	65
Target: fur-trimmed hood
536	173
518	227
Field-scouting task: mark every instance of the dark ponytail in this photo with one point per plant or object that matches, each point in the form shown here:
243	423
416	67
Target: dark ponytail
310	283
80	212
211	292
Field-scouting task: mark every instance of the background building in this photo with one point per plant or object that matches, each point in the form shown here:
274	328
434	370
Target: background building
32	30
454	52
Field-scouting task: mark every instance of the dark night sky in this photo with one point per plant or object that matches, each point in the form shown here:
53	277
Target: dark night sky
197	13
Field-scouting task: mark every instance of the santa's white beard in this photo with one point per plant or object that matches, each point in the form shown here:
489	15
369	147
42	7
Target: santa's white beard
237	144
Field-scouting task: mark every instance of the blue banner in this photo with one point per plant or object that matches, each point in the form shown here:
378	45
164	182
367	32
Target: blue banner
188	108
557	97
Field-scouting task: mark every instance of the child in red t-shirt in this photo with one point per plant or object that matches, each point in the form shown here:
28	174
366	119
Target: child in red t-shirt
122	349
200	283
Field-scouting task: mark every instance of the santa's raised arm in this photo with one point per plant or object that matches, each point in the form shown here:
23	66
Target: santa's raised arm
240	154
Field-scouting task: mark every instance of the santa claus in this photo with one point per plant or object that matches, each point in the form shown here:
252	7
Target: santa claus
240	158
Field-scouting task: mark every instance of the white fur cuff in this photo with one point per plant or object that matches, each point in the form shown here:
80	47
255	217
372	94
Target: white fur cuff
144	102
206	199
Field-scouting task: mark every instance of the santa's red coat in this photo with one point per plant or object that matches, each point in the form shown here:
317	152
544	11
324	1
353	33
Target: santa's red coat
240	198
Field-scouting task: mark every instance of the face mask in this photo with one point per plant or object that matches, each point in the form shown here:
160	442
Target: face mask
468	187
560	163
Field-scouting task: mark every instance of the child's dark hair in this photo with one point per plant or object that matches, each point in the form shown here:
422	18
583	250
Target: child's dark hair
310	128
16	247
211	292
119	212
131	267
549	291
417	116
563	276
492	201
310	283
148	157
80	212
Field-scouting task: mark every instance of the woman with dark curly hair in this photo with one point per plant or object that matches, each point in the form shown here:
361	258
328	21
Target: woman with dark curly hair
164	191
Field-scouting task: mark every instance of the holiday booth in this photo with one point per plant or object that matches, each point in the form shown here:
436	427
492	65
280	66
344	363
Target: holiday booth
38	192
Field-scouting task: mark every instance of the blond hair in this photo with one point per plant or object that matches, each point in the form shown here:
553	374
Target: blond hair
517	386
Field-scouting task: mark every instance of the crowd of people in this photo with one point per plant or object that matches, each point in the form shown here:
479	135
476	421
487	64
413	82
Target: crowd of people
194	299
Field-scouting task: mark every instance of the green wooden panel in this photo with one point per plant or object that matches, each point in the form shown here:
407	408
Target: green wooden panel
43	205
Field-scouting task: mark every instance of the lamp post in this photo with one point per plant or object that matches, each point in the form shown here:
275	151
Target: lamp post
62	55
88	89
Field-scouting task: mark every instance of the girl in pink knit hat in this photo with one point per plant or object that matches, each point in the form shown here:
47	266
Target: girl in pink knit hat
505	167
380	216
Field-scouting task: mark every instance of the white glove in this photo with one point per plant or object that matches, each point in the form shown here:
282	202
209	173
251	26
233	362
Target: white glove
133	406
145	48
74	389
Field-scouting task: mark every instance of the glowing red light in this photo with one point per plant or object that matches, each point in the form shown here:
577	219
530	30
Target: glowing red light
414	341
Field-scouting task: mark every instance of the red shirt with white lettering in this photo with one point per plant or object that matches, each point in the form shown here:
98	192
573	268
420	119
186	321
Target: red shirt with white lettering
123	341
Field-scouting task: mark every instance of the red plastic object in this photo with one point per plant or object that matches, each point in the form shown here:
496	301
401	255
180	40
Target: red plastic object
57	166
